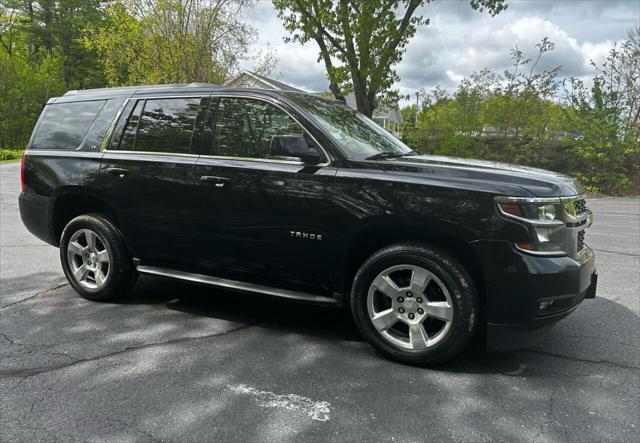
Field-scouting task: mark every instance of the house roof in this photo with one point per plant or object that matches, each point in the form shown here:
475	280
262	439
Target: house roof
269	83
383	111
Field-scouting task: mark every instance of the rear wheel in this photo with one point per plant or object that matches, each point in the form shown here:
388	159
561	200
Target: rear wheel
415	304
95	259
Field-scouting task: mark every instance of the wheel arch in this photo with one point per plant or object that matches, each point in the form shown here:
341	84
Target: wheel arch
71	202
373	238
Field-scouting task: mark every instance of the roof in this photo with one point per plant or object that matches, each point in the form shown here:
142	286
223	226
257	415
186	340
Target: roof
187	88
142	87
383	111
128	91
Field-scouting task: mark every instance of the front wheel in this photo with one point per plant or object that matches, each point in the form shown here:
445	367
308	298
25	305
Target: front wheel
95	259
415	304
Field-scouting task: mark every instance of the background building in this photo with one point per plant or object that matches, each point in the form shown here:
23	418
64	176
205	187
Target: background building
389	117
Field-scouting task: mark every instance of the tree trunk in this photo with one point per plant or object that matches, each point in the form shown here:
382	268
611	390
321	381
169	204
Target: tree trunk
364	104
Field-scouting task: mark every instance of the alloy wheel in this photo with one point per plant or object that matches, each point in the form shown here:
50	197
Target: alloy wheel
410	307
88	259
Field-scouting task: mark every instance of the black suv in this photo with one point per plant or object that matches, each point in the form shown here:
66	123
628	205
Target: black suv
297	196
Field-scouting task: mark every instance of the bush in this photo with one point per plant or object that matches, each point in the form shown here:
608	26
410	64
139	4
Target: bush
10	154
591	132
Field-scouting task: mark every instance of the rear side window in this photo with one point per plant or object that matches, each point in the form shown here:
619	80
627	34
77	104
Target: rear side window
64	125
161	125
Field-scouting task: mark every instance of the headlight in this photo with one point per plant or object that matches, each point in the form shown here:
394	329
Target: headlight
543	217
548	212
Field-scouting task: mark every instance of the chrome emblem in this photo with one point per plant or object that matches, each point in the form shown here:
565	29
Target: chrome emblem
305	235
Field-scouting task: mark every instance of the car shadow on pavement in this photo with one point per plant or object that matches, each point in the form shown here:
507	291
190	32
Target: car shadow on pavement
270	312
582	336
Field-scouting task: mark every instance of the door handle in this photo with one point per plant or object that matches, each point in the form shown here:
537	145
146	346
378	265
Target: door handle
117	171
219	182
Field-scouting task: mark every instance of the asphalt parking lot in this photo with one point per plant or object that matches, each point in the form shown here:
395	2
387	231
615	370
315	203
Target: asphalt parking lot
180	362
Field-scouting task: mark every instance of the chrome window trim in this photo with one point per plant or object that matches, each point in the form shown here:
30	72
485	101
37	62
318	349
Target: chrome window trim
262	160
213	157
152	153
62	153
107	139
112	126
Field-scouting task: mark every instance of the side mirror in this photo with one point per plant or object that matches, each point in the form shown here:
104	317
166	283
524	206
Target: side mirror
294	146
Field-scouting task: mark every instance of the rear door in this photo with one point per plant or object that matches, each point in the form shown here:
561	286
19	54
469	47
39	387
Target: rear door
147	174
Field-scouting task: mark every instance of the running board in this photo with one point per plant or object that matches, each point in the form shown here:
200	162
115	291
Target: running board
236	285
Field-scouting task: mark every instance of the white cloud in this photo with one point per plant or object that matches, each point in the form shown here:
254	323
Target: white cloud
460	41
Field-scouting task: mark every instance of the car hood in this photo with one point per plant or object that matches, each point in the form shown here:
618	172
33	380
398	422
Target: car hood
501	177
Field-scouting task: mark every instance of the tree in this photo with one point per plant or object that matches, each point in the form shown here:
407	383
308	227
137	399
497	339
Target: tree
48	28
173	41
607	114
360	41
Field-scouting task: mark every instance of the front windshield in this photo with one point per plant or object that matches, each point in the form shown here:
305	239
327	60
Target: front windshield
358	136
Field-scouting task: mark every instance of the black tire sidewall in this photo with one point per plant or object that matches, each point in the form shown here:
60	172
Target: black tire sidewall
453	276
121	267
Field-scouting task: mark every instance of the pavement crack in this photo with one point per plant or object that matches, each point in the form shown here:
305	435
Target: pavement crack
582	360
30	372
30	346
36	294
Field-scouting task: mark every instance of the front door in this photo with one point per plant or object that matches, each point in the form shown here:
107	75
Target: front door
148	174
263	212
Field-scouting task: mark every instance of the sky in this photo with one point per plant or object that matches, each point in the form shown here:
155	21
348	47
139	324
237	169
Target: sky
459	41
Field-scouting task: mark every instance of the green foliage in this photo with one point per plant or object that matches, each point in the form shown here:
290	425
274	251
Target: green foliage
10	154
171	41
48	47
367	38
525	117
40	57
24	90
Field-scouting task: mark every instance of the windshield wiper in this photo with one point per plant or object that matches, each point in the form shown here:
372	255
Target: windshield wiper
383	155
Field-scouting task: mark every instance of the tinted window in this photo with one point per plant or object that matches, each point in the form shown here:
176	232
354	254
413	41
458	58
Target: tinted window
165	125
245	128
100	126
358	135
65	124
131	128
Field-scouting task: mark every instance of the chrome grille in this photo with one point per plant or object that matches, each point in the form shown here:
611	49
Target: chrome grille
580	240
580	206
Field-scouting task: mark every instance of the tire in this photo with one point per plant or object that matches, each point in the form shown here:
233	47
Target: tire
99	269
426	315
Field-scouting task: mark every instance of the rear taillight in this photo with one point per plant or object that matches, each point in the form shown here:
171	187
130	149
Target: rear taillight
24	158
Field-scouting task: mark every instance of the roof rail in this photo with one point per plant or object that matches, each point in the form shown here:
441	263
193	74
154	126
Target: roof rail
125	88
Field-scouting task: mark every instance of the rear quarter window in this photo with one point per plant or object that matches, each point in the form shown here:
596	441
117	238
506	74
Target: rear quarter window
64	125
98	130
163	125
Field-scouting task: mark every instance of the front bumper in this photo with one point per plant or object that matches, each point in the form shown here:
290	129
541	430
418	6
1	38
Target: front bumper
526	295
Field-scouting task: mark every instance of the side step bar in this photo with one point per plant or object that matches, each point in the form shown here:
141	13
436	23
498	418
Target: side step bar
236	285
